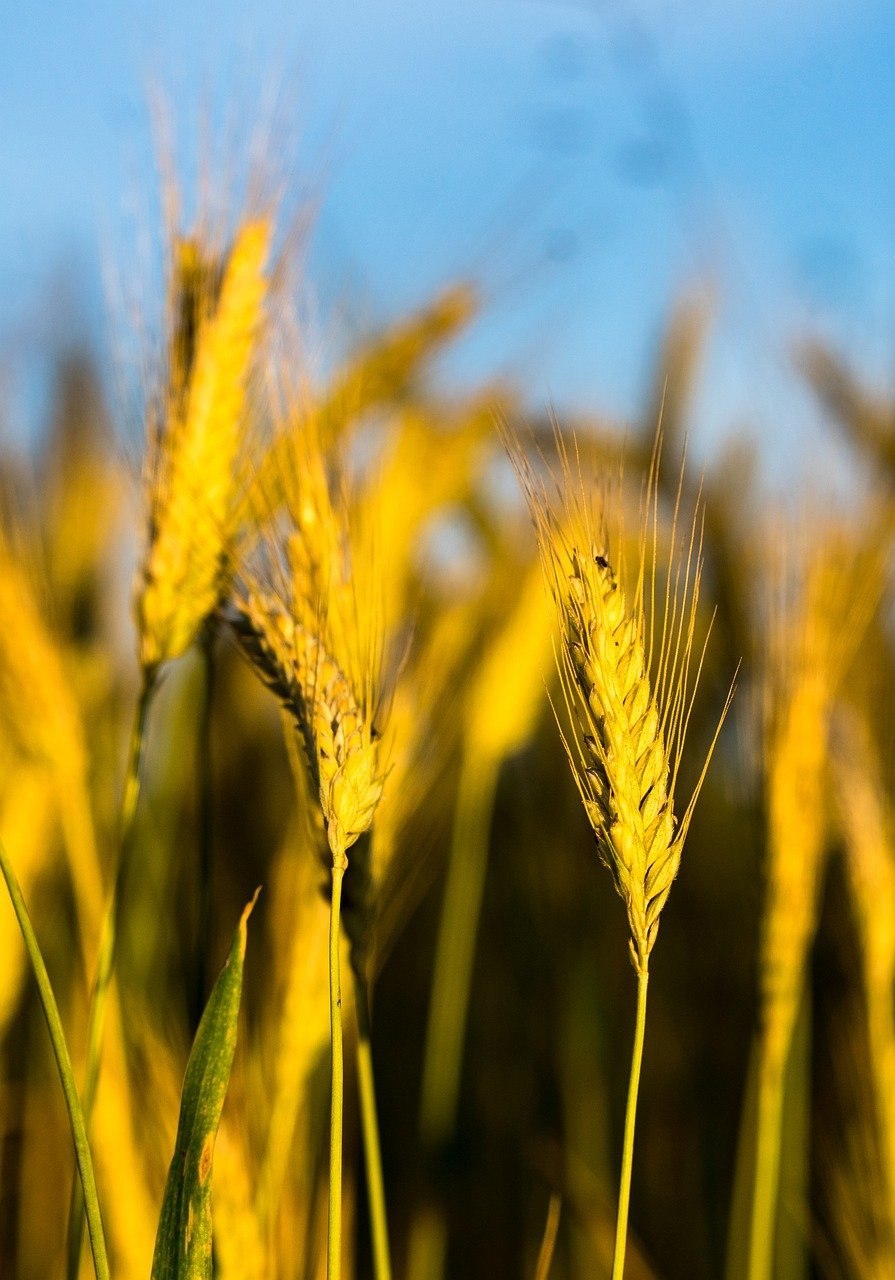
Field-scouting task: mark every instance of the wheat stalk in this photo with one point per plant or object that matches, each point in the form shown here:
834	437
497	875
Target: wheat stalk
313	645
819	622
342	753
866	820
628	686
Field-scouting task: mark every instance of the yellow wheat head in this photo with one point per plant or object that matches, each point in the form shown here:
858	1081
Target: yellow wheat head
624	656
194	457
312	640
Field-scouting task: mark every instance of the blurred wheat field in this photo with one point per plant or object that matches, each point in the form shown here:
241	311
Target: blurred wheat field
347	673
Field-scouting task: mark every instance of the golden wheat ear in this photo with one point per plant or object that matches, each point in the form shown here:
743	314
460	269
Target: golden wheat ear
628	666
193	466
624	649
313	641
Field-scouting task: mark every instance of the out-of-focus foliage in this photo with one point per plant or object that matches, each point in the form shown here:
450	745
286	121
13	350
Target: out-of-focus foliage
530	1098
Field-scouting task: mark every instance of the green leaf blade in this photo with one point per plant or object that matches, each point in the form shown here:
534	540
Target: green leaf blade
183	1243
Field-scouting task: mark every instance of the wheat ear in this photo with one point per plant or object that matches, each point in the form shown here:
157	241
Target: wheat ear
628	686
193	463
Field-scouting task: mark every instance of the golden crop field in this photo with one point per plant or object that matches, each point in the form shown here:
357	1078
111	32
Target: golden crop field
356	742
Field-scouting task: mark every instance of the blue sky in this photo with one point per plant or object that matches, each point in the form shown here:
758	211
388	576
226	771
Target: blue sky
586	160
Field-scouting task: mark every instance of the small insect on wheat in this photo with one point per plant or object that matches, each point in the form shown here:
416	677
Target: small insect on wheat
625	652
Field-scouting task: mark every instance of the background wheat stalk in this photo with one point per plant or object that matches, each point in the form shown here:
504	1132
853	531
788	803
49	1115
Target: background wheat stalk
865	816
818	622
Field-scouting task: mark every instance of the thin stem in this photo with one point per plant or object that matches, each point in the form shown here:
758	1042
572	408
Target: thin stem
105	963
66	1074
624	1190
334	1246
767	1160
548	1243
382	1269
206	813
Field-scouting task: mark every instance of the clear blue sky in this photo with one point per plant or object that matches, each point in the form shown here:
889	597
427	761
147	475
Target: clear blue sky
587	159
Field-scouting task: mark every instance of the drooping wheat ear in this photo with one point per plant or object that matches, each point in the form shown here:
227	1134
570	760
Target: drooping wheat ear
192	466
315	644
627	681
341	746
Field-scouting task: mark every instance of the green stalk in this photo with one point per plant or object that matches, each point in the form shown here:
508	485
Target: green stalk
767	1160
334	1244
382	1269
624	1190
105	964
66	1074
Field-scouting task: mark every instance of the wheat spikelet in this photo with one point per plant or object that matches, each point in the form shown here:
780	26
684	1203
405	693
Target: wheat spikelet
628	705
314	633
193	466
625	781
341	747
